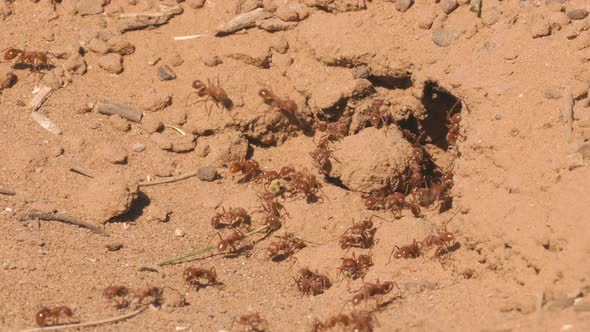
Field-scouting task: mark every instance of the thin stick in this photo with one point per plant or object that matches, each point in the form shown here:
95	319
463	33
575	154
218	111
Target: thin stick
61	218
175	128
83	171
168	180
7	192
204	250
87	324
189	37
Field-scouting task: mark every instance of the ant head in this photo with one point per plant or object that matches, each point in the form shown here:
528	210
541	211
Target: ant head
41	316
235	167
198	84
456	119
265	94
388	285
222	246
11	53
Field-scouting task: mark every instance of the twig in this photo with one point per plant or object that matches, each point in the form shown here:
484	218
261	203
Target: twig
83	171
7	192
189	37
45	123
175	128
168	180
567	110
204	250
87	324
242	21
39	98
124	111
61	218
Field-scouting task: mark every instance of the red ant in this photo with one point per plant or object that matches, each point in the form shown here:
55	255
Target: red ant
355	267
286	106
360	235
232	242
213	92
119	294
249	168
273	211
35	59
253	323
234	217
194	276
454	126
358	321
413	250
287	245
306	184
55	314
312	282
154	295
369	290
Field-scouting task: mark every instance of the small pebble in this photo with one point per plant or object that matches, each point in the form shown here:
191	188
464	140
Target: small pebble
203	150
207	173
540	28
138	147
195	4
577	14
403	5
211	60
514	132
119	123
58	151
184	144
448	6
498	117
442	37
175	60
152	124
165	73
112	63
98	46
361	72
114	246
114	154
179	232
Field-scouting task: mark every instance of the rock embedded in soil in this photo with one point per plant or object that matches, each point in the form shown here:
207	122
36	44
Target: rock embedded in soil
196	4
207	173
154	101
183	144
120	45
115	154
76	64
577	14
119	123
7	78
443	38
540	28
89	7
225	148
157	213
138	147
151	124
371	160
448	6
175	60
165	73
107	196
112	63
403	5
98	46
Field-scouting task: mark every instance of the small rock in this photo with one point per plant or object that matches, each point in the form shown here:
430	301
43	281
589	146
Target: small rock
287	14
162	142
138	147
98	46
585	150
153	101
175	60
426	20
76	64
151	124
89	7
211	60
577	14
207	173
179	232
579	90
582	306
274	24
280	44
119	123
552	92
165	73
114	154
184	144
118	44
442	37
540	28
195	4
132	2
112	63
403	5
114	246
175	116
7	78
361	72
58	151
156	213
203	150
448	6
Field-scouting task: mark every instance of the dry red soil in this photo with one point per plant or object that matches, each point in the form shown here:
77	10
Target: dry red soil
516	72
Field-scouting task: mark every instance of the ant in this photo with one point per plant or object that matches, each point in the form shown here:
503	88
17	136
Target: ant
272	209
369	290
287	245
413	250
114	292
234	217
359	321
286	106
154	295
312	282
55	314
360	235
194	275
306	184
212	91
253	323
230	242
35	59
376	117
396	202
249	168
454	126
335	130
355	267
444	240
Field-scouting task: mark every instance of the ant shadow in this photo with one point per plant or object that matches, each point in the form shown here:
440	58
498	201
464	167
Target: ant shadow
383	305
136	209
24	66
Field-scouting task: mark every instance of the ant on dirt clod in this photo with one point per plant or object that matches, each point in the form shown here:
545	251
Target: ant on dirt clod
200	277
212	92
312	282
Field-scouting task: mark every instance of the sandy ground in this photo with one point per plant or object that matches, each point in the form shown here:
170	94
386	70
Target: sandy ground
521	262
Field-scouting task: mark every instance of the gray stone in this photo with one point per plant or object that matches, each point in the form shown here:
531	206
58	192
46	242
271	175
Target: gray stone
207	173
577	14
165	73
403	5
448	6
